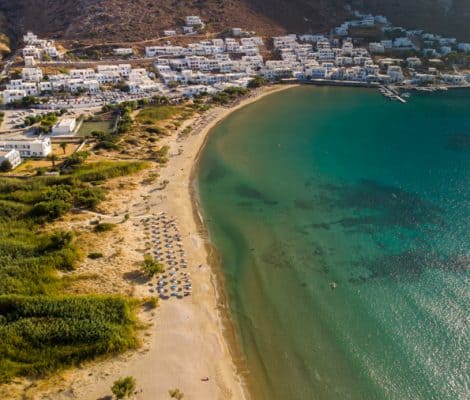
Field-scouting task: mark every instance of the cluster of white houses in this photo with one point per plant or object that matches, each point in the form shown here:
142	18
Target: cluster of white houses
38	49
211	65
428	44
88	80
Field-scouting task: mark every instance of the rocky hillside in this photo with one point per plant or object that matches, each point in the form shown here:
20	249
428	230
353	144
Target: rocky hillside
130	20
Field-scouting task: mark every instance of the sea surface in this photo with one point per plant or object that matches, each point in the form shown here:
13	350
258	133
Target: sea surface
315	188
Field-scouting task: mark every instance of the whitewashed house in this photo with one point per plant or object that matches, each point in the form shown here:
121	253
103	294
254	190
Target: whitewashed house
194	20
32	74
465	47
12	156
66	126
377	48
123	51
395	73
31	51
413	62
29	61
12	95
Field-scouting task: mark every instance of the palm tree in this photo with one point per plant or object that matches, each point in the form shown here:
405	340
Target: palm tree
52	158
63	146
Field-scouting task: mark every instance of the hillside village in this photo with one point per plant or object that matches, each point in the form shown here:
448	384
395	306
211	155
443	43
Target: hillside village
402	59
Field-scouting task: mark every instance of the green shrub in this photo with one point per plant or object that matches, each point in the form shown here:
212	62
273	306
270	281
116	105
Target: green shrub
124	387
150	267
176	394
95	256
104	227
39	334
6	166
100	171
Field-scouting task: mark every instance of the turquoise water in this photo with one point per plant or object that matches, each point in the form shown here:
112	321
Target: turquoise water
318	185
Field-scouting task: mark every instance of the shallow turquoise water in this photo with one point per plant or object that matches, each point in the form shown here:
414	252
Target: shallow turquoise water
319	185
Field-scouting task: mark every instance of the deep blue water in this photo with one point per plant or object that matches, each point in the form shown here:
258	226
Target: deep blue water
319	185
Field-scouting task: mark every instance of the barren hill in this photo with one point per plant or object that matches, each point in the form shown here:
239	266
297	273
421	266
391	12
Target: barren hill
129	20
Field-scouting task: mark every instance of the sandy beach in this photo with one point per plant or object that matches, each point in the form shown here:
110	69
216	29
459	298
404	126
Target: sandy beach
188	343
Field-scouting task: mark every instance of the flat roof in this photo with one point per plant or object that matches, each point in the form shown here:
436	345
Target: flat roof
66	122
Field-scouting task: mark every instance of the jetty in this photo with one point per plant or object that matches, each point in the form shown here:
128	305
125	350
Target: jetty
391	93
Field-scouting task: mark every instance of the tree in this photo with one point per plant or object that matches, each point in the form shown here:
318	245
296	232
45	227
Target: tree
63	146
256	82
52	158
124	387
6	166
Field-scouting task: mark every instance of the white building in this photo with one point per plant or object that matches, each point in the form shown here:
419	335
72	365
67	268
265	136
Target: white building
237	31
169	32
30	37
11	95
193	20
465	47
444	50
375	47
454	79
65	126
403	43
32	74
28	147
31	51
395	73
12	156
29	61
413	62
123	51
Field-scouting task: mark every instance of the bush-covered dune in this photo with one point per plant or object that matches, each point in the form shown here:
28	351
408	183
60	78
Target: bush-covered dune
42	328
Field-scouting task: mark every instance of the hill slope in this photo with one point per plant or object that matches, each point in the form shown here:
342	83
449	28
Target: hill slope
126	20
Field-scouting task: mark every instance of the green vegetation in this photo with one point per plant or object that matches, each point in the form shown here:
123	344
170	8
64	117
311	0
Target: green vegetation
42	328
104	140
257	82
150	267
102	170
2	117
95	256
124	387
104	227
228	95
63	146
151	302
161	155
41	334
6	166
152	114
88	127
25	102
176	394
47	121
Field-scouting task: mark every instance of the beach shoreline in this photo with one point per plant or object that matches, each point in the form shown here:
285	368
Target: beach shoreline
189	344
213	257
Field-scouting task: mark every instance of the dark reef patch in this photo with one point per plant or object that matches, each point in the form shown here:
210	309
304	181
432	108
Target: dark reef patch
217	172
458	142
246	191
381	206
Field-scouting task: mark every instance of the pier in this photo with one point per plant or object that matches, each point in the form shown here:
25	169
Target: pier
391	94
